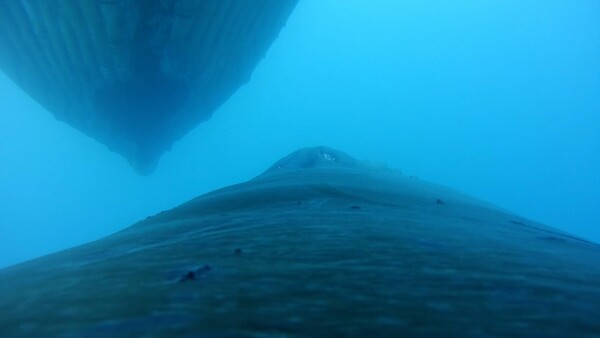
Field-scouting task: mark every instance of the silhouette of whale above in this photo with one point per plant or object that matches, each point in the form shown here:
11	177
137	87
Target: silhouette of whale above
318	245
136	75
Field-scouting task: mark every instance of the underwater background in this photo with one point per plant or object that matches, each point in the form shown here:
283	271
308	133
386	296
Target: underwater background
497	99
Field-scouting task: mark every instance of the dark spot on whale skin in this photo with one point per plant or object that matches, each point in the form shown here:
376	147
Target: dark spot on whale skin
439	202
190	275
354	207
238	251
194	274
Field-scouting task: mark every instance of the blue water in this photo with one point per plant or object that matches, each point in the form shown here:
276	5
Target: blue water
499	99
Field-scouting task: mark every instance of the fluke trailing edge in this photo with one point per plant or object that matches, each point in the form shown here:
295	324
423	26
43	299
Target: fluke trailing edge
319	245
135	75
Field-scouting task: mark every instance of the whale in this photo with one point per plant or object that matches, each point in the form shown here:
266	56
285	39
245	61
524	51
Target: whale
136	75
320	245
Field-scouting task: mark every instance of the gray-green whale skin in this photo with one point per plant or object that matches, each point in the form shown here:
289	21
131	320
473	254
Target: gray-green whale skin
319	245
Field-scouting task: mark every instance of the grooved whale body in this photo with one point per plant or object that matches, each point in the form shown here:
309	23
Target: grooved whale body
135	75
319	245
